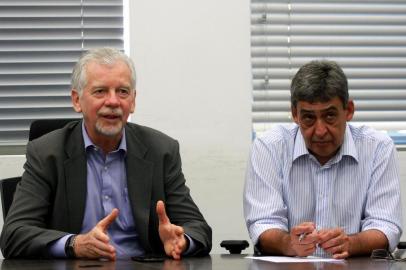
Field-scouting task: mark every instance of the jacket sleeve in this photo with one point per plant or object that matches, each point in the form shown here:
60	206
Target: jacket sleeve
180	207
25	233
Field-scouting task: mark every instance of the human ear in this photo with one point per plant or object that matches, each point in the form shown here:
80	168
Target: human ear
294	114
350	110
75	100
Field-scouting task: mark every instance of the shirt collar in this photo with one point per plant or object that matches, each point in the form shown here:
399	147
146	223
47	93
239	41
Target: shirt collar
300	148
346	149
88	142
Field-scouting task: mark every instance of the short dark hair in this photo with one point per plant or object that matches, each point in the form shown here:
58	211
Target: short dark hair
319	81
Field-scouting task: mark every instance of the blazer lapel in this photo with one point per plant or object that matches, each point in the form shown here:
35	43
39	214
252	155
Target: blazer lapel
139	182
76	179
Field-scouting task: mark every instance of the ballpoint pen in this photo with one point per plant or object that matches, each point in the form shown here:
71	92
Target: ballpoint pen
302	236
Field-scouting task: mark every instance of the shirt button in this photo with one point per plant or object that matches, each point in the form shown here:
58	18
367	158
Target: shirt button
106	197
105	168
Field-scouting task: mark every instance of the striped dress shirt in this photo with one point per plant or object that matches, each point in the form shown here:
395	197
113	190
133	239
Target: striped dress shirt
358	189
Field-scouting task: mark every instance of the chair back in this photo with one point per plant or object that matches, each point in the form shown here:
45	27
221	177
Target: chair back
44	126
37	129
7	189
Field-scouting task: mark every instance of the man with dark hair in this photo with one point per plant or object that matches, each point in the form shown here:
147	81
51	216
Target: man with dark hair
102	187
322	186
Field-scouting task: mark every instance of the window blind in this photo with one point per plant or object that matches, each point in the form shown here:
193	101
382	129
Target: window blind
367	38
40	41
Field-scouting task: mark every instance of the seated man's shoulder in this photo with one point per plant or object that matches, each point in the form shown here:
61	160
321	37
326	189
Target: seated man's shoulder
370	135
280	133
149	136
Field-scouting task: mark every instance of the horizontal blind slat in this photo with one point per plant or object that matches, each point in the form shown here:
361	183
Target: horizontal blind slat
367	38
40	41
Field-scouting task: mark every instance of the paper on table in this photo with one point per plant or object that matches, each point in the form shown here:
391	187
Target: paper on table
283	259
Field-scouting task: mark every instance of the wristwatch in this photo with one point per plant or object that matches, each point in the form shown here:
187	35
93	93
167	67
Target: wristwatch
70	247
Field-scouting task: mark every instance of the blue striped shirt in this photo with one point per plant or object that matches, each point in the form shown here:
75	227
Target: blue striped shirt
358	189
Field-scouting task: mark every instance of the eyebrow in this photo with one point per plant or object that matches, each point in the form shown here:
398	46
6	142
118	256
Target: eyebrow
329	108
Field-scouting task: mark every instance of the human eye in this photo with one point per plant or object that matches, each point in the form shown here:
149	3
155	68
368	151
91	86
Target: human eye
331	117
98	92
123	92
307	119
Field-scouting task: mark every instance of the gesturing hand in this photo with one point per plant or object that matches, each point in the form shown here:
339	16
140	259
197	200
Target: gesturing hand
96	243
172	236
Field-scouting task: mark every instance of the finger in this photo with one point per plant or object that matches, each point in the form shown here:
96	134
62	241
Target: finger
175	255
95	249
105	222
330	233
104	254
308	248
330	244
100	236
336	249
326	236
303	229
180	245
105	247
309	239
333	239
179	230
341	255
179	249
160	210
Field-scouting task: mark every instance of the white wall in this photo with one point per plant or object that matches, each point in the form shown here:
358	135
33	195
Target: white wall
193	68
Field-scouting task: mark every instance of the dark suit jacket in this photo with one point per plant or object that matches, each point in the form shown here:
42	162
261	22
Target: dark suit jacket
50	199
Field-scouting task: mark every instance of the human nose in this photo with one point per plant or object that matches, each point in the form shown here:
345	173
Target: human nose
320	128
112	99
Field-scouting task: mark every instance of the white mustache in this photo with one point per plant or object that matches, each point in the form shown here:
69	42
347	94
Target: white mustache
107	111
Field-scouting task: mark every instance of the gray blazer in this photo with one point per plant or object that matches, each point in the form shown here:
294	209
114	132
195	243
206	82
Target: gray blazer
50	199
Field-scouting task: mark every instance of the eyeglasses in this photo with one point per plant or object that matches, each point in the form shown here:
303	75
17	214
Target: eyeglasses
384	254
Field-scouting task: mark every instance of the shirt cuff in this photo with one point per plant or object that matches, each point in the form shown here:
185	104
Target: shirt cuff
192	246
57	248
